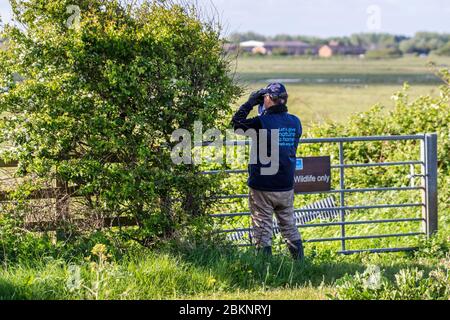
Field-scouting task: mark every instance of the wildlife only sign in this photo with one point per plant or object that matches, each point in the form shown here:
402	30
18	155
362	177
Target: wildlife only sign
312	174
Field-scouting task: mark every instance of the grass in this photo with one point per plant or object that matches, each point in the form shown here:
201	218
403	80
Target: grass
322	90
318	103
306	293
259	67
337	103
204	272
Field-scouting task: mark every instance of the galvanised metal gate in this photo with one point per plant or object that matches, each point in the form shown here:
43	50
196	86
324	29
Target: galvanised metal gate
428	187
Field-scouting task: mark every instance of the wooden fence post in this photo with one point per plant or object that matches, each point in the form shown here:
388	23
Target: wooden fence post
62	208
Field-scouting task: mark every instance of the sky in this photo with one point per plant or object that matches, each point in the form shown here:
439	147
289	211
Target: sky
324	18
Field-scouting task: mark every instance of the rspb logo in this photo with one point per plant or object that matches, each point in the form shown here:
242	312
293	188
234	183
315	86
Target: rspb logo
299	164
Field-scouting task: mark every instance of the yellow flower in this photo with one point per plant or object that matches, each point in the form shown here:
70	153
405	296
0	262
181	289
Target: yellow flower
211	281
99	250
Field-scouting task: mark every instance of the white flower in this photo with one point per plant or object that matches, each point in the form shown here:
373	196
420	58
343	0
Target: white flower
373	281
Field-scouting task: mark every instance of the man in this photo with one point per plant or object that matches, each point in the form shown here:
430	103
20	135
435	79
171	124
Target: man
272	193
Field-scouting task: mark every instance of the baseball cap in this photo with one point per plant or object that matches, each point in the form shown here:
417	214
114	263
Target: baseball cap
277	90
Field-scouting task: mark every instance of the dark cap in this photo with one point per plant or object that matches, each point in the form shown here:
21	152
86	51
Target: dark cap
277	91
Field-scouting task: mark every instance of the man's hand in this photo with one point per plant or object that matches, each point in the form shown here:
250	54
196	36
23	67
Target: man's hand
257	97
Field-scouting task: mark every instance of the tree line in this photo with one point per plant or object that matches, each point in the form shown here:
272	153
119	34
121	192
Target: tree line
420	43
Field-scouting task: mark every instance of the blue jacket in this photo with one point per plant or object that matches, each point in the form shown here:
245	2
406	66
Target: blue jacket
290	131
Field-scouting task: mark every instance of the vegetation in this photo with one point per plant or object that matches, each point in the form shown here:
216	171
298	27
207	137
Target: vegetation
444	51
425	42
409	284
384	53
114	90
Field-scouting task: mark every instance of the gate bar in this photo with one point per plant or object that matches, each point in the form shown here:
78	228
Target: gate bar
331	224
334	166
239	196
375	236
381	206
322	140
384	250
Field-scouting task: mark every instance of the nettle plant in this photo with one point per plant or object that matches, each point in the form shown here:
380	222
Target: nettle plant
99	96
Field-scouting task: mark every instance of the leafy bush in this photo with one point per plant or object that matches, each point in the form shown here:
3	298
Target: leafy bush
100	100
20	246
16	245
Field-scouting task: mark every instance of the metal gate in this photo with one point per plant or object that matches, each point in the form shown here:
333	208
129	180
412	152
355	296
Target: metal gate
428	187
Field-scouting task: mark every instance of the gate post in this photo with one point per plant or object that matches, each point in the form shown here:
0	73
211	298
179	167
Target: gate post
430	192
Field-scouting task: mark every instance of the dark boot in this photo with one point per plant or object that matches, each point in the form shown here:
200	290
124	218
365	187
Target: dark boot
267	251
296	250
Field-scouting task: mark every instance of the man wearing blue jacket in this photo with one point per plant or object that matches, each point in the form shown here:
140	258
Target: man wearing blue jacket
272	193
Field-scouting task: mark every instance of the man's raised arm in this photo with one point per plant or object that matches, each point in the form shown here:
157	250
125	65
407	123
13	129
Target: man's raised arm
240	120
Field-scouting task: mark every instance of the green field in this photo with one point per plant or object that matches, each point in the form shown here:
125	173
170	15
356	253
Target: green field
333	89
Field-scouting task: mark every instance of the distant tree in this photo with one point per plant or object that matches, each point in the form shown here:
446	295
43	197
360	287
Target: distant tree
314	41
248	36
344	41
422	42
283	37
376	40
444	51
425	42
407	46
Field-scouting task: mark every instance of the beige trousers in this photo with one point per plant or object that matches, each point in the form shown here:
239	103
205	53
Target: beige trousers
262	206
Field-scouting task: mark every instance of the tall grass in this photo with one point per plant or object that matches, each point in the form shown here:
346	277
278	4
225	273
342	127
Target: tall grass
190	272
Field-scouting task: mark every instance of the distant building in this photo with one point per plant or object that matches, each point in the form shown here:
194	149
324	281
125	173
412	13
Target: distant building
332	49
292	48
334	43
325	52
273	47
251	46
259	50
